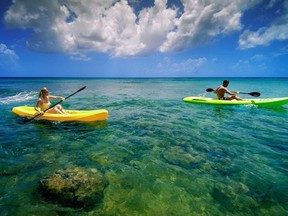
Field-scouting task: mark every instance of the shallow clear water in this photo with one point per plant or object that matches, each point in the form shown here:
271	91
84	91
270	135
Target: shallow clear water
160	156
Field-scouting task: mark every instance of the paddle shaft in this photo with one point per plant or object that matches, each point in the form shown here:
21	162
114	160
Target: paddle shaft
53	105
254	94
245	93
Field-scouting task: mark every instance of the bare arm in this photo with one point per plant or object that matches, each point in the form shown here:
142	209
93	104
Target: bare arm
56	97
231	93
37	106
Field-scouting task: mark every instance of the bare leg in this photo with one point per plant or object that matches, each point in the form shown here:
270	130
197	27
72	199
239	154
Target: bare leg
234	97
57	110
60	109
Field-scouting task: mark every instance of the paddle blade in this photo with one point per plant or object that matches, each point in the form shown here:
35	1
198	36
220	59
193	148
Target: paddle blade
81	89
255	94
28	120
24	121
209	90
73	94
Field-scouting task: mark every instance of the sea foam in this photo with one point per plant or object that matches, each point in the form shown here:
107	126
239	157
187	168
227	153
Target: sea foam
20	97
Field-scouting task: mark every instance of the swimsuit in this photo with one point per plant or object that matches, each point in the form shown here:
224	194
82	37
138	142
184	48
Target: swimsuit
45	106
224	98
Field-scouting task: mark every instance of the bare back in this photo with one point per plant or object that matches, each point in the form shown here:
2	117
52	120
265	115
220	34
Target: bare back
220	92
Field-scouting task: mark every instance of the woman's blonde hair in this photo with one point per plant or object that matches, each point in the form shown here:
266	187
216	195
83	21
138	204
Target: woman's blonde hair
42	91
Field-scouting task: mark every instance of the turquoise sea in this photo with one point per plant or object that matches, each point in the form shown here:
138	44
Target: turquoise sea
159	155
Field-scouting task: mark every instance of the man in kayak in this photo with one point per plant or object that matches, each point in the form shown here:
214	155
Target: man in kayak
43	103
222	90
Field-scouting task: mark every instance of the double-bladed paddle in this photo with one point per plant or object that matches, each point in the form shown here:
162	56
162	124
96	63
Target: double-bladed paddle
254	94
28	120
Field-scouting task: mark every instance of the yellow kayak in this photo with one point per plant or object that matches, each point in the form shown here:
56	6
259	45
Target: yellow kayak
74	115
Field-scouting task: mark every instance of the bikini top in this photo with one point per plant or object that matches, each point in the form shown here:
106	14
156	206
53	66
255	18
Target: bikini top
45	106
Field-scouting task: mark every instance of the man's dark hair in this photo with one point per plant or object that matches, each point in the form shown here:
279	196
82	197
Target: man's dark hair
225	82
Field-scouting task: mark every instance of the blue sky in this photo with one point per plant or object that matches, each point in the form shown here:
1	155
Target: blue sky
148	38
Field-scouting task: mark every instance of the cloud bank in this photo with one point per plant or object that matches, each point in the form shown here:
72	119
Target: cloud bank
8	58
115	27
278	30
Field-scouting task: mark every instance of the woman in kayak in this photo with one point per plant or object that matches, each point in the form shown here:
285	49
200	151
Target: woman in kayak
222	89
44	103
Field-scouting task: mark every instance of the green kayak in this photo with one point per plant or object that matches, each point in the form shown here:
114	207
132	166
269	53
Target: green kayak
260	102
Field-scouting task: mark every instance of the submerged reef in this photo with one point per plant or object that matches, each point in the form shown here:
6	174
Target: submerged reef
73	187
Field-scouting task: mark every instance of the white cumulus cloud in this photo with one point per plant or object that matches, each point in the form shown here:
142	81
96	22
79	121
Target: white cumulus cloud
203	20
264	36
114	27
